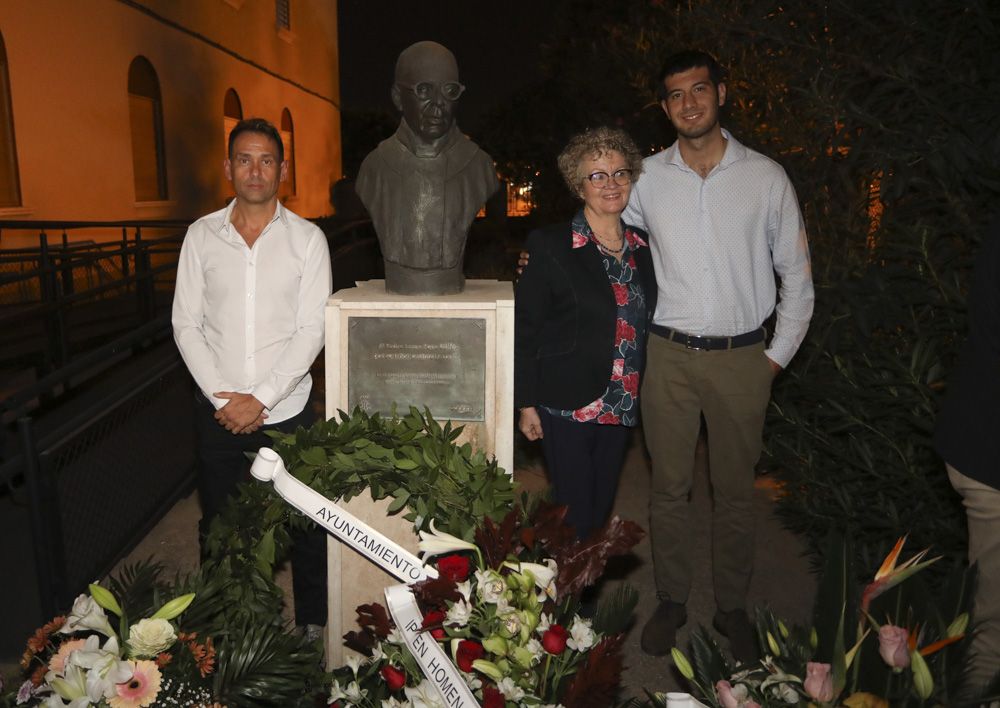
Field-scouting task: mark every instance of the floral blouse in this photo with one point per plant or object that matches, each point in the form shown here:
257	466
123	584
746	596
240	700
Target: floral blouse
619	405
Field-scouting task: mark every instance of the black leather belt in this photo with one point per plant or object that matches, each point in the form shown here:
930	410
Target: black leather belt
694	342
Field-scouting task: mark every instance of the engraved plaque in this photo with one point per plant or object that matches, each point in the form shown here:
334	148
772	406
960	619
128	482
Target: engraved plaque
435	362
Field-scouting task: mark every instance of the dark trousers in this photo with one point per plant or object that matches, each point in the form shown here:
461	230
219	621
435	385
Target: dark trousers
584	462
222	465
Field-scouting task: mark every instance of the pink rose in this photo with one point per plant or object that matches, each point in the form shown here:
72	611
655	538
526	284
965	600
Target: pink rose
819	682
616	369
579	240
893	646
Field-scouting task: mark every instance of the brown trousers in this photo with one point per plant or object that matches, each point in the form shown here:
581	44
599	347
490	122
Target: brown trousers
982	507
731	388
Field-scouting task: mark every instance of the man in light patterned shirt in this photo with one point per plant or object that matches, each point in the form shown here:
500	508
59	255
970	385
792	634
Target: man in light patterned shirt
722	220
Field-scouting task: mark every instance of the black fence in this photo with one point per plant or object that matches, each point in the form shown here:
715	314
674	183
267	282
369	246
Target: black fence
97	443
68	286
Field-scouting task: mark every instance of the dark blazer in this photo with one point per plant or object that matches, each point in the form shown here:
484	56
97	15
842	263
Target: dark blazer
564	320
968	426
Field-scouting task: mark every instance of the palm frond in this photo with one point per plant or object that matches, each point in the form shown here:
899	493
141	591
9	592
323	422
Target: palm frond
259	665
617	612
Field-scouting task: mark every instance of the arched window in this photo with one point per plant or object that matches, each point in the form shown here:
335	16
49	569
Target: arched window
288	141
146	118
10	185
232	113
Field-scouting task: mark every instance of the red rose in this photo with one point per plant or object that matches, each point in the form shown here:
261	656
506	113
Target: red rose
554	639
434	618
617	367
624	332
492	698
631	383
454	568
394	678
468	652
609	419
621	293
589	411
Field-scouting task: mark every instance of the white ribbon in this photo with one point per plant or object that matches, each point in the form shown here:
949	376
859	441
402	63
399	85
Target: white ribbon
435	664
387	554
379	549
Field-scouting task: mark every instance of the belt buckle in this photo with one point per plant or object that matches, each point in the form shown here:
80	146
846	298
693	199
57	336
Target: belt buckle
690	341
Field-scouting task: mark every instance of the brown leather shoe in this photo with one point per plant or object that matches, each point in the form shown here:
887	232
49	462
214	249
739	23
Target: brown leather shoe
659	635
735	625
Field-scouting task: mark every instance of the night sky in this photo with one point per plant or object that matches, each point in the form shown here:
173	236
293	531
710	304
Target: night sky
496	44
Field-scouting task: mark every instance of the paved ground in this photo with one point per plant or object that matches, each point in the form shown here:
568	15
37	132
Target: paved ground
781	577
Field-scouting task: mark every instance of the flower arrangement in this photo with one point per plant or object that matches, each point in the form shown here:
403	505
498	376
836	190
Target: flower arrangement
505	610
188	651
80	660
898	661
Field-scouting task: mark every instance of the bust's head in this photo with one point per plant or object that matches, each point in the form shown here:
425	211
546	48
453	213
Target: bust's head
426	89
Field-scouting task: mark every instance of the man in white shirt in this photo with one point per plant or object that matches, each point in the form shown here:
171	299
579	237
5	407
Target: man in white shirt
722	220
252	282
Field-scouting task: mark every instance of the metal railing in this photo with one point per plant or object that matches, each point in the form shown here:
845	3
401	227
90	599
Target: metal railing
62	294
97	476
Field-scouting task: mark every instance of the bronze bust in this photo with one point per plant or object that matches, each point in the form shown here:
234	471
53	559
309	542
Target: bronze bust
424	185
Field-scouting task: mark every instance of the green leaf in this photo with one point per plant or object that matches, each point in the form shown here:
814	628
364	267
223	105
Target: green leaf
315	456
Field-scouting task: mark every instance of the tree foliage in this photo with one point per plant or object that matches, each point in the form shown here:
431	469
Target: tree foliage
882	114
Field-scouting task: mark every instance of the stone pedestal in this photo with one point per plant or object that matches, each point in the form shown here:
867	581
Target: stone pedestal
453	353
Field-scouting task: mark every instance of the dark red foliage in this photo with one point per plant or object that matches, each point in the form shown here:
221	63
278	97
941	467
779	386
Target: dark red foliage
582	563
492	698
549	525
497	542
468	651
433	592
454	568
596	683
376	617
433	620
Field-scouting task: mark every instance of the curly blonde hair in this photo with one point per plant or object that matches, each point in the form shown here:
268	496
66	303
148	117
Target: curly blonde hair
594	143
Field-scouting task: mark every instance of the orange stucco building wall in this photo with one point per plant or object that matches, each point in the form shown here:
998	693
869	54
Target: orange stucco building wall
68	63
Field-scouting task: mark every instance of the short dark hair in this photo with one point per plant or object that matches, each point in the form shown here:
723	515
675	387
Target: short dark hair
688	59
256	125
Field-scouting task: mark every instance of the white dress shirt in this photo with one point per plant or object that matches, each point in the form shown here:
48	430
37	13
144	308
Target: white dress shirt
717	243
250	320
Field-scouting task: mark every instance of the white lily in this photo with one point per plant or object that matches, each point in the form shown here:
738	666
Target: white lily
354	693
87	614
104	665
435	543
354	661
424	696
543	575
336	692
459	613
510	690
71	686
581	636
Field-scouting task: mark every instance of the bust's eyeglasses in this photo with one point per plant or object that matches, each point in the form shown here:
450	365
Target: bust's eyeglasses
450	91
603	179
